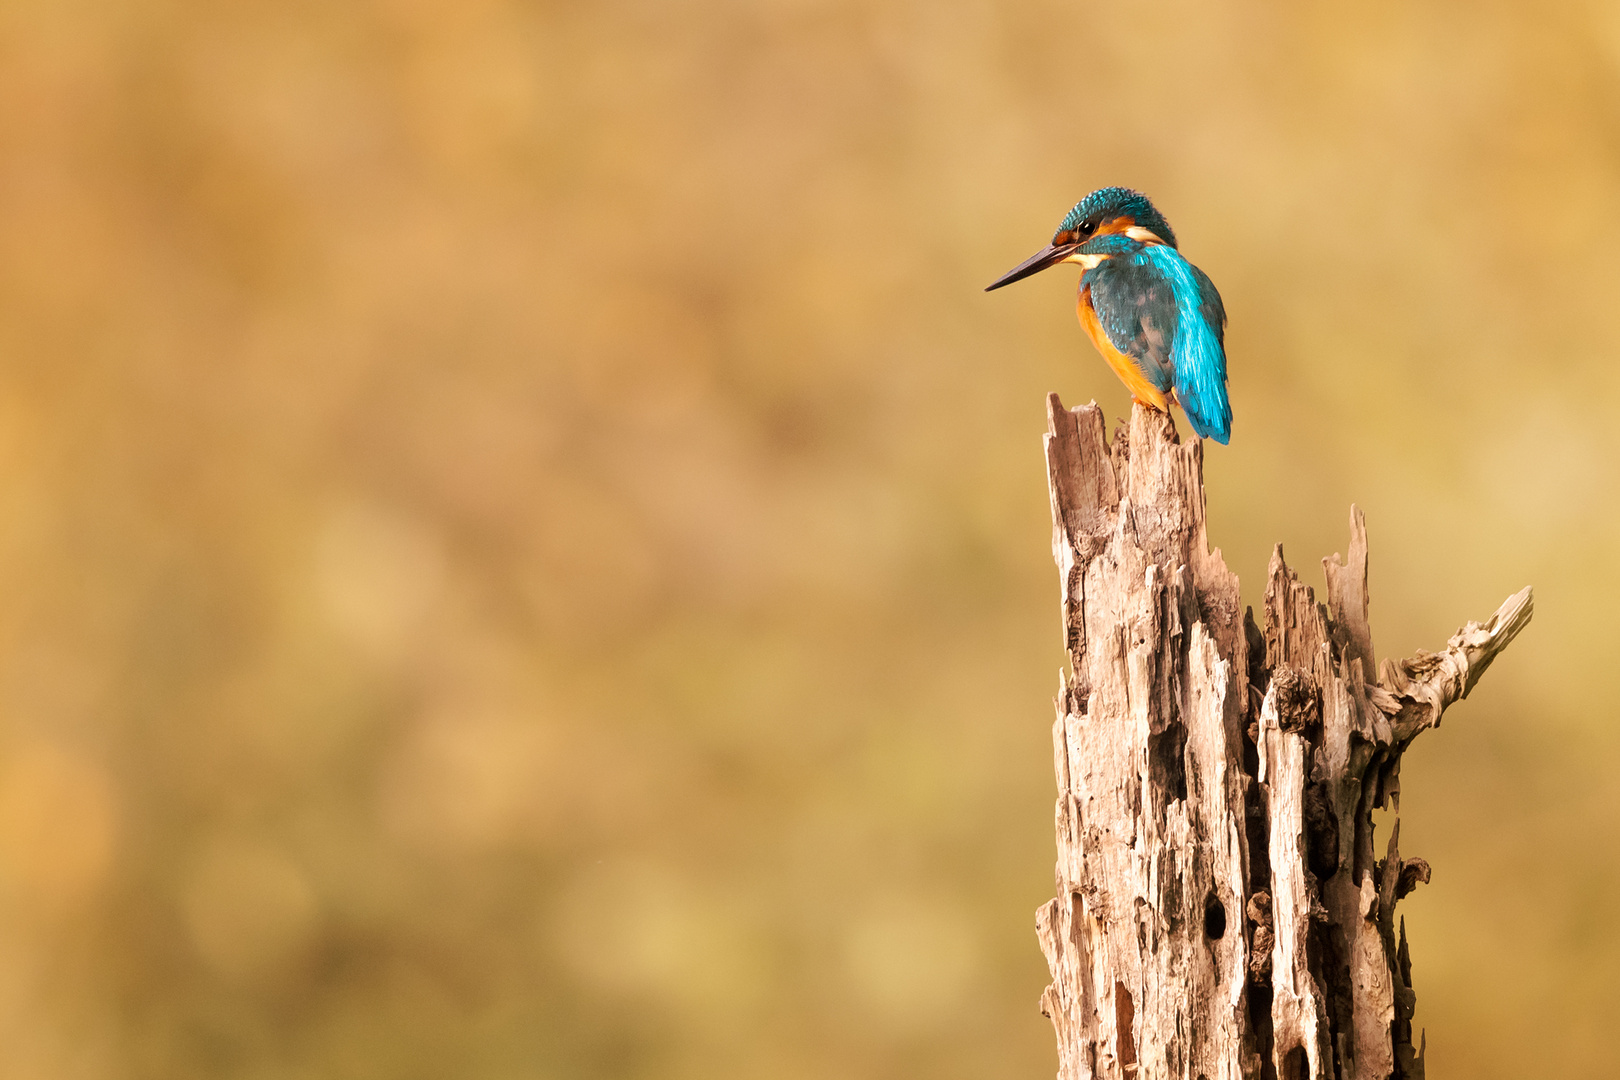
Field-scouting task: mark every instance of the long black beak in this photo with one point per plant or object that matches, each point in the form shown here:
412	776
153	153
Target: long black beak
1050	255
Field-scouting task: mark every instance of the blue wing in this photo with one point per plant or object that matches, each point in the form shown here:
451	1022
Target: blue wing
1136	307
1199	356
1165	313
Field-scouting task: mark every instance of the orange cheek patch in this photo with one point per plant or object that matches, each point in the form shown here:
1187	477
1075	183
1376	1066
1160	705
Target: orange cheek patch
1118	225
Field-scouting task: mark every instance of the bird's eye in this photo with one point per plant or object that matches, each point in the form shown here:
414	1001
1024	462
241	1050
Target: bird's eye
1087	228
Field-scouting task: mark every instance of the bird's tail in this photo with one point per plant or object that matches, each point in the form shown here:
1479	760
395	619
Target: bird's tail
1201	389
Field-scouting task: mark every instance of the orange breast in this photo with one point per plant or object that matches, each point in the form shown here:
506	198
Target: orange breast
1129	374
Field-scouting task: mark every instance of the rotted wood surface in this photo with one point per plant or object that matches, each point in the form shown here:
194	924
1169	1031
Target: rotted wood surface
1222	910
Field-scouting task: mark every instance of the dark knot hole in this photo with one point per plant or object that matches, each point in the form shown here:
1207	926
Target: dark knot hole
1214	917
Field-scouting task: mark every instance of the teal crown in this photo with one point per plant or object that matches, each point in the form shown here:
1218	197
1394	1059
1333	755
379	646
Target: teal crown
1107	204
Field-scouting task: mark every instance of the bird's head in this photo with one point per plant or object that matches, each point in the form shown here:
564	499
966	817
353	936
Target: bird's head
1083	235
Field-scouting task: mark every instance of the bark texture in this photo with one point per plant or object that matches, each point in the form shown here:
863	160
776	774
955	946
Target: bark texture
1222	908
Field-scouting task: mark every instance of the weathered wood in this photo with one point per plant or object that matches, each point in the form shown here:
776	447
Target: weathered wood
1221	911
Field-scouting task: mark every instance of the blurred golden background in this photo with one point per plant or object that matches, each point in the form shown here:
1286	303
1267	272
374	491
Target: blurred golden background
524	549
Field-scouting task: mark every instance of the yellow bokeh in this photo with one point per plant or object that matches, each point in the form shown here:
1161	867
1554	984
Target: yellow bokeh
58	820
524	548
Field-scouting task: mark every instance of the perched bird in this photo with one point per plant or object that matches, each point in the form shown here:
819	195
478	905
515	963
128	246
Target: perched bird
1154	316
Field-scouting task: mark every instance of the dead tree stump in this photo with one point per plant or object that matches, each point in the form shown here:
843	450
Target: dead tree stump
1222	908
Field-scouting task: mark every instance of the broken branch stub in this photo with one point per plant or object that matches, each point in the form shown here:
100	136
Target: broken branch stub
1222	911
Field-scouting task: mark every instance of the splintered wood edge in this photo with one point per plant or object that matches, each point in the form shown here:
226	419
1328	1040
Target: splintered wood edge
1348	598
1415	692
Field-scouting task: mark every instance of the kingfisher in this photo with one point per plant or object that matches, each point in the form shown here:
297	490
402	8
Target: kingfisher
1155	317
